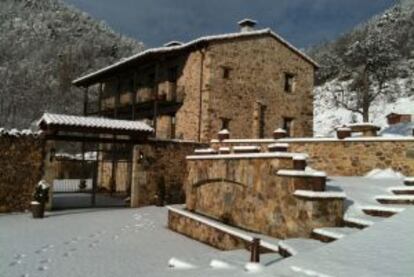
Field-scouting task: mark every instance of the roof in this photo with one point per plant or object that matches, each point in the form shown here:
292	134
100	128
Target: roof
94	124
93	77
397	114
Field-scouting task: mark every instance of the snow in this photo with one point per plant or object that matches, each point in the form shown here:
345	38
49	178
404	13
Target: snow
205	151
299	245
335	232
16	133
280	130
385	249
246	148
178	264
273	155
224	149
301	173
224	132
93	122
253	267
327	115
242	141
278	145
319	194
300	157
350	139
191	44
400	129
395	197
383	174
220	264
409	180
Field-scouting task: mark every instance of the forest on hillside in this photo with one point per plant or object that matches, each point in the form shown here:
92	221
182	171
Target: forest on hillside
45	45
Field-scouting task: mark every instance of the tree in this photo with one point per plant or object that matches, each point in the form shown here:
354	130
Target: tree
373	63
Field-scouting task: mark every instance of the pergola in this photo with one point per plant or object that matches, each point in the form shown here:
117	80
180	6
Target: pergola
71	128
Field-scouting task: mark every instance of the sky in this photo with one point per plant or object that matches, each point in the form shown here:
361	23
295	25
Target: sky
302	22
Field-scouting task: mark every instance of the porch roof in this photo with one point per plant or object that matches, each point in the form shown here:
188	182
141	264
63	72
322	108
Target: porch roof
52	123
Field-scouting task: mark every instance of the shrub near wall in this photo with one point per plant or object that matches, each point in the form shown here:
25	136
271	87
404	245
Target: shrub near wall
356	156
21	161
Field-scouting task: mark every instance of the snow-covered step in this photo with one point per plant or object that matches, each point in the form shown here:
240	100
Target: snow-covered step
402	190
292	247
205	151
329	234
396	199
409	181
278	147
246	149
381	211
320	194
361	221
301	173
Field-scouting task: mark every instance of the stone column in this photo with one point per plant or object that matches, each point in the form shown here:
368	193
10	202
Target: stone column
139	178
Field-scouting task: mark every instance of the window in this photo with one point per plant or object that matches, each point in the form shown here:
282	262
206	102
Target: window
172	81
288	125
151	81
289	82
226	72
225	123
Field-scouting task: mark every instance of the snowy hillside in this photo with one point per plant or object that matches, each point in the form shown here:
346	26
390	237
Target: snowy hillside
44	45
327	114
368	71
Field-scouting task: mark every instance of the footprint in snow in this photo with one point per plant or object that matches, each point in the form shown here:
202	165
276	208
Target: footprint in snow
25	275
43	268
19	256
13	263
46	261
115	237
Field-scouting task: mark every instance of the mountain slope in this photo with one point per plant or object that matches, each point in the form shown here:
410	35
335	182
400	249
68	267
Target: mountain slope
342	64
43	46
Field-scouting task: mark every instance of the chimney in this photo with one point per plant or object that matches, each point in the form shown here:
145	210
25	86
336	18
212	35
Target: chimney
247	25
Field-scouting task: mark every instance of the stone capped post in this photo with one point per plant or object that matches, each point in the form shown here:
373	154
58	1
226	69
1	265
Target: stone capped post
223	134
343	132
279	133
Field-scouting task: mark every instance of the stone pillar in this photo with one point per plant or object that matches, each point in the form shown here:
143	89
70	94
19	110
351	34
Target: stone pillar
223	134
139	178
50	171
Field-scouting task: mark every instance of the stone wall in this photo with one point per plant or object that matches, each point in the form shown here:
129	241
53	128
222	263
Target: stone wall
21	165
256	82
356	157
252	97
159	168
204	233
122	176
248	193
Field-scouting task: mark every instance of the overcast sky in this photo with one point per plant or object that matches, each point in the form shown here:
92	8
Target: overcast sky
302	22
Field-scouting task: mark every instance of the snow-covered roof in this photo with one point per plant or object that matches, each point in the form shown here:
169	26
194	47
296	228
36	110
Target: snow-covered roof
50	119
18	133
161	50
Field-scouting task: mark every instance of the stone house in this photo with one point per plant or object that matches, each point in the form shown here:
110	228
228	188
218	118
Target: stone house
396	118
250	82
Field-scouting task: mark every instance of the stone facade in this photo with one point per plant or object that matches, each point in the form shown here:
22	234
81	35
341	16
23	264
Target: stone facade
21	166
159	168
358	157
248	193
250	85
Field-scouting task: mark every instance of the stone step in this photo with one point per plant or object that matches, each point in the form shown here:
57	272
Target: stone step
329	234
402	190
396	199
409	181
305	180
292	247
361	221
381	211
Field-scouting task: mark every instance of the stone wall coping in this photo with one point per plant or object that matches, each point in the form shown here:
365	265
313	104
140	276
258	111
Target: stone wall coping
401	188
273	145
301	173
349	139
320	194
222	227
205	151
244	141
18	133
266	155
246	147
175	141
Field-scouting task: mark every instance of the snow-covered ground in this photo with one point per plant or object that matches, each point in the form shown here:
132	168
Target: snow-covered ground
137	242
327	115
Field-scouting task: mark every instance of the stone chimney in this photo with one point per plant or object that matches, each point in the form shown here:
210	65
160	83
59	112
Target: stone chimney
247	25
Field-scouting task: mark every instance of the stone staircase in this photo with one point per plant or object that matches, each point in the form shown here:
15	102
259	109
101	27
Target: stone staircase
309	185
